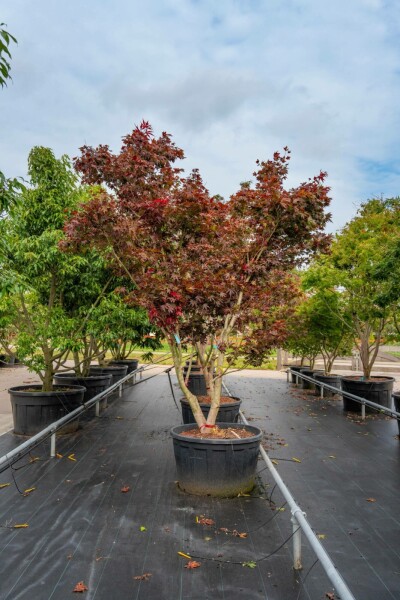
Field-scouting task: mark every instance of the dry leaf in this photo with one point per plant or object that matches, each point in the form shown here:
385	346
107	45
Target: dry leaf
296	459
80	587
59	455
29	491
144	577
192	564
21	526
238	534
371	500
125	489
4	485
204	521
72	457
321	536
184	555
275	462
143	528
332	456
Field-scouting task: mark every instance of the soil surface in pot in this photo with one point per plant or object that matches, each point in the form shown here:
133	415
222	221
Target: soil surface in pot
223	400
218	434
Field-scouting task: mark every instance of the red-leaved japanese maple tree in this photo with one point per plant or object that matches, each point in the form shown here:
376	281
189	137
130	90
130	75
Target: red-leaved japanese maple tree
214	274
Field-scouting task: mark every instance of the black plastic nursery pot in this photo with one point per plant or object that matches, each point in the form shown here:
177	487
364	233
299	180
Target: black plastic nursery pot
396	400
296	369
228	411
196	381
94	384
332	379
377	389
132	364
117	372
220	468
308	385
33	409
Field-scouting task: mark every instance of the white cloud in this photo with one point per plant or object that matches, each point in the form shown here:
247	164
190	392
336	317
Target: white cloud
232	81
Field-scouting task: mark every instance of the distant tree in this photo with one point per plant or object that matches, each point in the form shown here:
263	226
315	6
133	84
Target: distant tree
356	254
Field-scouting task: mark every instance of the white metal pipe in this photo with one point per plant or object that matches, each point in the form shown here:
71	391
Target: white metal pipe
358	399
35	439
363	411
53	445
297	566
298	515
97	409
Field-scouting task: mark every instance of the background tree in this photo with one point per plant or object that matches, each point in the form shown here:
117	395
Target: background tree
37	278
204	269
356	253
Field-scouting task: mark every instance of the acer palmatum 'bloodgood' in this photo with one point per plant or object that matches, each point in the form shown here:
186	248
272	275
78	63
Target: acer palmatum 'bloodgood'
212	273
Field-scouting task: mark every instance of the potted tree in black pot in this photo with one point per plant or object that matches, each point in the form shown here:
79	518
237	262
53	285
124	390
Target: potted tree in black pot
213	274
36	276
356	253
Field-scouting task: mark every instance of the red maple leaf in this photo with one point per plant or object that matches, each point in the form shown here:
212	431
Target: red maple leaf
80	587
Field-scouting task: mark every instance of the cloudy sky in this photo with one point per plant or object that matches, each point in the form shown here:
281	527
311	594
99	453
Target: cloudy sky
231	80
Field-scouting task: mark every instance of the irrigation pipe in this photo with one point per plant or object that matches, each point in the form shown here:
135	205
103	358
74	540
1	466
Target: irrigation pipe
299	520
50	431
363	401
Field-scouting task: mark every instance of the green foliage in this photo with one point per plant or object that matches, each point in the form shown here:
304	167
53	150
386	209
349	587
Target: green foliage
357	255
120	328
5	55
46	293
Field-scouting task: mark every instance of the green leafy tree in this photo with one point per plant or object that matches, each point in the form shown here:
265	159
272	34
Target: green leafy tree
119	329
328	320
38	281
356	254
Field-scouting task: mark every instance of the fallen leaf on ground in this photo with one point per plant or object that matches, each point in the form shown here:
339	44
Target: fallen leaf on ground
192	564
72	457
321	536
59	455
144	577
21	526
125	489
275	462
205	521
296	459
33	459
371	500
238	534
251	564
4	485
80	587
143	528
332	456
184	555
29	491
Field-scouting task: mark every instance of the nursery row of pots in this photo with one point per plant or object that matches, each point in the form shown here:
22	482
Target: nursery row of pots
219	467
378	389
33	409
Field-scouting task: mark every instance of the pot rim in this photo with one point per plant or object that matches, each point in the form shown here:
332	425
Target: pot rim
89	377
19	389
357	378
258	434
